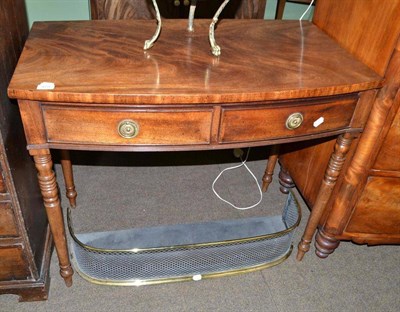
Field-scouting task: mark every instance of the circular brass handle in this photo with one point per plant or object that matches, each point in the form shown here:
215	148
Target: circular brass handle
186	2
128	128
177	3
294	121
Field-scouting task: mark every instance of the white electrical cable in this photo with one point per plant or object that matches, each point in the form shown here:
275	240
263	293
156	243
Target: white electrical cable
236	167
247	155
306	11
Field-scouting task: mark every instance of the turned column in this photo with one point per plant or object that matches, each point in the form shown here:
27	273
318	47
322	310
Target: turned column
325	244
332	172
285	180
269	170
48	188
66	165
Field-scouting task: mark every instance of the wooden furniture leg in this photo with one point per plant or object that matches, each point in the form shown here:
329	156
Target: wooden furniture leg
269	170
48	188
332	172
325	244
280	7
285	181
68	177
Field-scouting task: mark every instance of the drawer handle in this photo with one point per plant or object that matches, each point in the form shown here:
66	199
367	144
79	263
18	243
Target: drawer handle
128	129
294	121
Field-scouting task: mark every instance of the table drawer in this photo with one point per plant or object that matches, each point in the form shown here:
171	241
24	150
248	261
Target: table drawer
7	222
262	123
12	264
130	127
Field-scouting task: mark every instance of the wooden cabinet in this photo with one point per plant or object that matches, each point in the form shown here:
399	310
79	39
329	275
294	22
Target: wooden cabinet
25	242
376	215
365	206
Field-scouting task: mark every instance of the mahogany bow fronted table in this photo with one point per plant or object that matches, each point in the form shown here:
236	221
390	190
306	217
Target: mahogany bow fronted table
275	82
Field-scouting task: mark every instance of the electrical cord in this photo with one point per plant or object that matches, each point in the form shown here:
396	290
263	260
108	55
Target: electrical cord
308	9
243	164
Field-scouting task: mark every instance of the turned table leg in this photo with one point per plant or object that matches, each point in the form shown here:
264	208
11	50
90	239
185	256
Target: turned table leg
269	170
68	177
285	181
48	188
332	172
324	244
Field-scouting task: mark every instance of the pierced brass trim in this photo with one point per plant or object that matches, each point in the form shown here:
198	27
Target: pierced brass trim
139	282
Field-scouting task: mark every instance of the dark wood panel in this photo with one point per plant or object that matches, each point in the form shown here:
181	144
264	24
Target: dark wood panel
123	9
143	9
23	213
3	188
31	289
12	264
13	148
7	220
306	164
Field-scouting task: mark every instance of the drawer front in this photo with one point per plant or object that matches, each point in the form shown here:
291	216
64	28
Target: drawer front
177	127
12	264
257	124
378	209
7	221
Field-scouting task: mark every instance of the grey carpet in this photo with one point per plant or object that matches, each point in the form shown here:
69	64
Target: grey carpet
143	190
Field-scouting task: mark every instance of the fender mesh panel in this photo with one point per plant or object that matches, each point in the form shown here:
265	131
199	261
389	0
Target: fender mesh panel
169	263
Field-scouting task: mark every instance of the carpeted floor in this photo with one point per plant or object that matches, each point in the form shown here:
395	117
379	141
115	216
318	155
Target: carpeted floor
131	190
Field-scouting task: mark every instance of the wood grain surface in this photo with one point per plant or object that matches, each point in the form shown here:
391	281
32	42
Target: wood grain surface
388	158
104	62
378	209
367	29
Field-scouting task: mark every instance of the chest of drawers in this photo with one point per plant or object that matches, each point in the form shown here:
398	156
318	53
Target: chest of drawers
25	241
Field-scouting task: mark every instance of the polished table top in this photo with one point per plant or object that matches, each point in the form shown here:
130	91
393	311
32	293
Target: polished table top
104	62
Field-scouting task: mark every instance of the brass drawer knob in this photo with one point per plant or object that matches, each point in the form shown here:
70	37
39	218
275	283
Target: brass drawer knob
128	128
294	121
177	3
186	2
